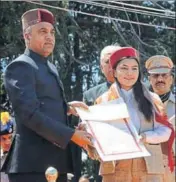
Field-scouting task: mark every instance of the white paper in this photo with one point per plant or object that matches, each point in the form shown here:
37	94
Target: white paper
114	137
112	110
116	140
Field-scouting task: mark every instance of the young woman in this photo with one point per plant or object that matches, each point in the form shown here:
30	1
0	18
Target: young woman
147	115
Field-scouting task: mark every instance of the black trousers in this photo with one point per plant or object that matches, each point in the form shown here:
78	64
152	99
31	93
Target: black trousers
33	177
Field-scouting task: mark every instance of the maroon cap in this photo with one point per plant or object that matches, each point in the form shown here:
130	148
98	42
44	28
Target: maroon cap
35	16
125	52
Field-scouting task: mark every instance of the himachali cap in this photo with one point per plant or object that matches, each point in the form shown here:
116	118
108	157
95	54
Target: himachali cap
35	16
120	54
159	64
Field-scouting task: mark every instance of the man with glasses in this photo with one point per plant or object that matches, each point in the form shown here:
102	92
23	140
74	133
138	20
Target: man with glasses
161	77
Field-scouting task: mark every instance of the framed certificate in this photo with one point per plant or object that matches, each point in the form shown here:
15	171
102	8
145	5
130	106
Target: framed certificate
116	140
114	137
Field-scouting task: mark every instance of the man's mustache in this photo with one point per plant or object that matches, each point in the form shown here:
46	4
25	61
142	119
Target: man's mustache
160	83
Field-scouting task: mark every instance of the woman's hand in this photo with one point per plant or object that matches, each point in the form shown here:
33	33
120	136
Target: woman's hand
143	138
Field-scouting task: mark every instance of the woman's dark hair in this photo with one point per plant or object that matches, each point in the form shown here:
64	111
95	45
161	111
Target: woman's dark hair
143	103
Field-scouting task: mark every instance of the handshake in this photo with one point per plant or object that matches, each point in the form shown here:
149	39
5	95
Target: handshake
81	137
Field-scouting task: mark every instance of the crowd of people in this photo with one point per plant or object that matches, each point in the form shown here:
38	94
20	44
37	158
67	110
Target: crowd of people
43	136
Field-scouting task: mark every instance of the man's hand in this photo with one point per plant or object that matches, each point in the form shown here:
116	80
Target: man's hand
82	138
72	105
92	153
81	126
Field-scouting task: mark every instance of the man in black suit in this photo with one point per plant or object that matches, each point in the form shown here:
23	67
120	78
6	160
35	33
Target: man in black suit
43	135
92	94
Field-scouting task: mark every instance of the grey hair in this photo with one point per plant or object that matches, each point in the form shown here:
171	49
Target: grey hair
108	50
27	31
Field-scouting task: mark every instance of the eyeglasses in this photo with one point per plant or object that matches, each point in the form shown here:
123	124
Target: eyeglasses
163	75
127	70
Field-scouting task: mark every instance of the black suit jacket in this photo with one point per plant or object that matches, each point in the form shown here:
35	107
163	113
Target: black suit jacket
42	134
92	94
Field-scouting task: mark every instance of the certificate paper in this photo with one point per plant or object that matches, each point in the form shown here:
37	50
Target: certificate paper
114	137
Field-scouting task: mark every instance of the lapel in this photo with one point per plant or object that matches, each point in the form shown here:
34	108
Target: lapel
54	71
105	88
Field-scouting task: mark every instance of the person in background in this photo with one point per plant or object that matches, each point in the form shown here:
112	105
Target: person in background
43	135
92	94
6	136
161	77
147	115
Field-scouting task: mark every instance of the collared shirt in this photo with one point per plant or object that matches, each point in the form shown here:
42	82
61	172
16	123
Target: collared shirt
35	56
129	99
108	84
